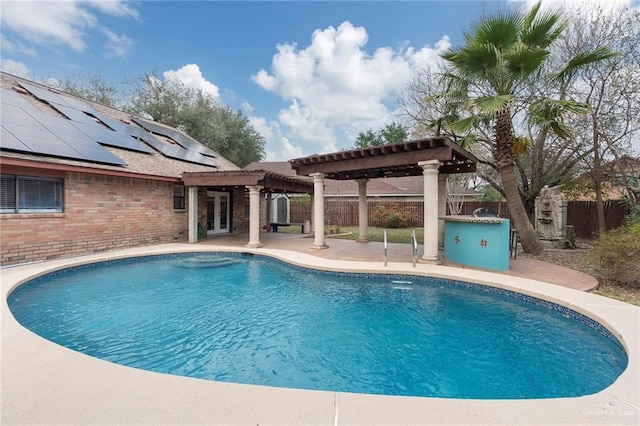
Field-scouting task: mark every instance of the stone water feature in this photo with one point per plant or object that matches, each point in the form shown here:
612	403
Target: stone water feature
551	214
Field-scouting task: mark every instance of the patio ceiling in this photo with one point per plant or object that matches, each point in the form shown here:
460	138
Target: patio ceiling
392	160
271	182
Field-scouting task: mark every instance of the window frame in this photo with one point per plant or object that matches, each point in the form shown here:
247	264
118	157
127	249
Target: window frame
33	195
179	200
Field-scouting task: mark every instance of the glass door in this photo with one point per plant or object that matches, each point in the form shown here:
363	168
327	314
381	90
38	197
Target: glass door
218	207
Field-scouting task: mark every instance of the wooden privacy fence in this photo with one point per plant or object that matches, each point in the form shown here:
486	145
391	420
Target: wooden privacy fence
582	215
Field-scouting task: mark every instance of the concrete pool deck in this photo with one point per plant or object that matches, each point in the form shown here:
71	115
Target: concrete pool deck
44	383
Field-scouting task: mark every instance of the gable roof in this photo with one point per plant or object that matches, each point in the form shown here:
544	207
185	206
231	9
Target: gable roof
281	167
45	128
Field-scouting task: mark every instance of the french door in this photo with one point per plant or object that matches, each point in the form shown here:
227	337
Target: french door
218	210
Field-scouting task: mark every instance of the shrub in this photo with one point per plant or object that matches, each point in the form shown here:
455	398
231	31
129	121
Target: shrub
570	241
617	254
390	215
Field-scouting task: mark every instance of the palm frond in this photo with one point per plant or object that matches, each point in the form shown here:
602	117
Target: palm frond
432	98
524	61
548	114
531	16
475	59
542	31
585	58
467	141
499	31
561	130
464	125
521	144
489	105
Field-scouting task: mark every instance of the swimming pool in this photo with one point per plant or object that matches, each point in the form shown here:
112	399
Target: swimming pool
395	335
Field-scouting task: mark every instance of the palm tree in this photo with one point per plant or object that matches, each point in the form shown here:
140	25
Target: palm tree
486	80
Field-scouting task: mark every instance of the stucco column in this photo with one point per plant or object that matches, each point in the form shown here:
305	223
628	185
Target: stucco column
442	206
430	172
318	211
193	214
363	214
254	216
268	206
311	221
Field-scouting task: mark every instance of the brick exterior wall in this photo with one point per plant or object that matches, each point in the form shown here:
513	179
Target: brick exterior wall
100	213
239	220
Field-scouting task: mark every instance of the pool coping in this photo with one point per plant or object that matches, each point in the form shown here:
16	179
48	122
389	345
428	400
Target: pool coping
45	383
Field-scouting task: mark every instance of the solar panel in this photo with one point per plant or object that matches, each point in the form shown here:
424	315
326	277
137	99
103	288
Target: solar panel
9	141
11	98
96	133
22	120
59	126
78	111
93	151
124	136
80	134
43	94
188	149
74	114
183	140
42	142
27	129
76	103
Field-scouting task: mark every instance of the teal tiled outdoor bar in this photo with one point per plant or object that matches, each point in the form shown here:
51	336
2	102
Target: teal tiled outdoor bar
482	242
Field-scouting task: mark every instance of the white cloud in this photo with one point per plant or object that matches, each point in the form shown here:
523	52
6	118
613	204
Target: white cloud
307	127
118	46
15	68
114	8
8	46
59	23
51	22
334	87
289	151
264	80
277	147
191	76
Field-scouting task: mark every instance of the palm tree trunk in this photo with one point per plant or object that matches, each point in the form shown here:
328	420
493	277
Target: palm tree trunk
504	161
528	237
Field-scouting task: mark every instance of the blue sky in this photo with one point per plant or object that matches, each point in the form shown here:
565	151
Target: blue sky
310	75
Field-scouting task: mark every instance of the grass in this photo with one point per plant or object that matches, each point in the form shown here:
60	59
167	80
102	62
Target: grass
573	259
394	235
374	234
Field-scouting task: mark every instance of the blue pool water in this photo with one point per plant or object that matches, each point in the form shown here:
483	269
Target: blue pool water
250	319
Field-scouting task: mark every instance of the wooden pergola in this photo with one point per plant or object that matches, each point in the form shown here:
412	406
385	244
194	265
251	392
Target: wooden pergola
256	181
269	181
434	158
394	160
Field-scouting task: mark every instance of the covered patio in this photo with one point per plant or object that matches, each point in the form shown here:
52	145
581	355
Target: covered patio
256	182
434	158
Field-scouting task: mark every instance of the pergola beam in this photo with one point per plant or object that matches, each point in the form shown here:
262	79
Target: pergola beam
399	159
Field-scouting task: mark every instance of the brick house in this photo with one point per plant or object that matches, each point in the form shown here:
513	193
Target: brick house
78	177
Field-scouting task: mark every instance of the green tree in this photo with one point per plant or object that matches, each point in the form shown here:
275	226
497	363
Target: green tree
503	54
611	87
192	111
391	133
171	102
91	87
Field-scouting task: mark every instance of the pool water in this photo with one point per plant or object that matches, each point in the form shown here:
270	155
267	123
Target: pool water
250	319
